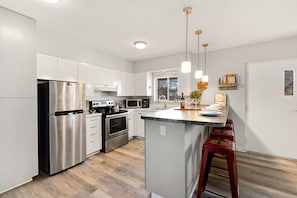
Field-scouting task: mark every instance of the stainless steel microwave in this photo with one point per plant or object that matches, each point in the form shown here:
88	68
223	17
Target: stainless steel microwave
133	103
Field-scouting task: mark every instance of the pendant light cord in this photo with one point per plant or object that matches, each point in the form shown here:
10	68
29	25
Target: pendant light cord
205	45
205	61
198	52
187	36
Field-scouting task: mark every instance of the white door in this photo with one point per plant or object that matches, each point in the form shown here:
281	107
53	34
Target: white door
271	119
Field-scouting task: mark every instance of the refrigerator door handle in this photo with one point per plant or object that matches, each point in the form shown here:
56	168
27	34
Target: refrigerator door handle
62	113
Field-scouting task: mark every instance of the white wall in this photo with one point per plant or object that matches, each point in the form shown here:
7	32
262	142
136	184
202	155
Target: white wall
226	61
56	44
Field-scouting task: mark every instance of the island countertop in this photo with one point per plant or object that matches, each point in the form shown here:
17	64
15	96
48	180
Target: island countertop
190	116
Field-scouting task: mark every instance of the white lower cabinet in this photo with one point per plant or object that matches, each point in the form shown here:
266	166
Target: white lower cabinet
131	131
18	142
139	123
93	133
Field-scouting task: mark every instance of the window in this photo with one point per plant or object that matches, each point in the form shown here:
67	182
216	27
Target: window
165	84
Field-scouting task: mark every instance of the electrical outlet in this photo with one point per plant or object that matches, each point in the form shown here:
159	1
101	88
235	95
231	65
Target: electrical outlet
163	130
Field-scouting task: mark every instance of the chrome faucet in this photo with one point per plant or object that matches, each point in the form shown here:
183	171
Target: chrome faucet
162	98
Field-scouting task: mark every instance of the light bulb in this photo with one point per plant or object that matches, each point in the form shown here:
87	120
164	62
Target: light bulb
186	67
140	44
205	78
198	74
52	1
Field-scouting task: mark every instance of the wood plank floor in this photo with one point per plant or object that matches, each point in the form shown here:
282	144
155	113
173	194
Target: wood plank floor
121	174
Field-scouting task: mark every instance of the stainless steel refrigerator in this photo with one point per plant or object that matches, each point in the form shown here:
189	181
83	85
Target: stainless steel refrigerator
61	125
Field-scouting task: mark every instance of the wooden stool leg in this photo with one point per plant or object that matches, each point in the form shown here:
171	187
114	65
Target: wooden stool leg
233	177
202	172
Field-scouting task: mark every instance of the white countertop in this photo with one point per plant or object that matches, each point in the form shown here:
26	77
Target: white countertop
93	114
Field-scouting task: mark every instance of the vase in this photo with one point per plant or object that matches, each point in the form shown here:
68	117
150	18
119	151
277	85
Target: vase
195	101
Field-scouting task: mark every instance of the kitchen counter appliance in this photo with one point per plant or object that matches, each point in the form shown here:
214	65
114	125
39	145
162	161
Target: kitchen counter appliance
145	103
133	103
61	125
114	124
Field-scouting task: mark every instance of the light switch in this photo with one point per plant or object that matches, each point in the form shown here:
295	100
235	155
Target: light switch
163	130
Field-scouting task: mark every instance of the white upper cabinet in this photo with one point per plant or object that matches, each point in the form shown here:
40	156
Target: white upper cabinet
47	67
67	70
17	63
105	79
112	77
143	84
100	75
18	100
125	84
85	74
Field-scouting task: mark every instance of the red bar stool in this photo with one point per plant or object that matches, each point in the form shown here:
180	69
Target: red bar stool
225	131
222	133
224	147
229	121
228	125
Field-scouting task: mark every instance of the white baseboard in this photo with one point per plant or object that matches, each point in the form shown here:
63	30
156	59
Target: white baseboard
16	186
154	195
241	149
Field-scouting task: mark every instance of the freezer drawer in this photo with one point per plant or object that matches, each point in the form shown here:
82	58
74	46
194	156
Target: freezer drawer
67	141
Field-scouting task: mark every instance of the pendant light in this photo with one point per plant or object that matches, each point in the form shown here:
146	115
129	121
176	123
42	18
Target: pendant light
198	73
205	77
186	65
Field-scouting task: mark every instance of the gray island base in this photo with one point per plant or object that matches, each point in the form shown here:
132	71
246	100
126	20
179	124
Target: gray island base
173	148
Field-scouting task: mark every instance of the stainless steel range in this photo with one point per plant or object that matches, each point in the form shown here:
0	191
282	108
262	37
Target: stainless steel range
114	124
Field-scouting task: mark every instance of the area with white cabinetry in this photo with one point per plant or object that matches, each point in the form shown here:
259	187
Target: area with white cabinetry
131	127
55	68
95	77
86	75
139	123
93	133
68	34
18	101
143	84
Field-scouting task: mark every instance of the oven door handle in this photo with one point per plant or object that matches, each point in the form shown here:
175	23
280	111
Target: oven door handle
117	115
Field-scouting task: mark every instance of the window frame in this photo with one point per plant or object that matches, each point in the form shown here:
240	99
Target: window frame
166	74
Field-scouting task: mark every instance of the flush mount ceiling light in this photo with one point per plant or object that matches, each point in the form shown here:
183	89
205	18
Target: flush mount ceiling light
198	73
186	64
52	1
140	44
205	77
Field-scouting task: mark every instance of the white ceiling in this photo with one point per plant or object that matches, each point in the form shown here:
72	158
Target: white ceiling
113	25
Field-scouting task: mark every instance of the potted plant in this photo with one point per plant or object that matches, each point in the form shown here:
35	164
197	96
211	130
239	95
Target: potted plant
195	96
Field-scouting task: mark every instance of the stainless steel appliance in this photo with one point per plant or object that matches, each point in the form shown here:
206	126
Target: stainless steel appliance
145	103
61	125
133	103
114	124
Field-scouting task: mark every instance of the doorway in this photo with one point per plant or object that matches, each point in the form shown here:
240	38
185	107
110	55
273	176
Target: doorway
271	108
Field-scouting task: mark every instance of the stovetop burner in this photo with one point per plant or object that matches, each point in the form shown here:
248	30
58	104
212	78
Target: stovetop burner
105	107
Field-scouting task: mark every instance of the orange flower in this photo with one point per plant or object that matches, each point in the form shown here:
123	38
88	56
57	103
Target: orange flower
202	85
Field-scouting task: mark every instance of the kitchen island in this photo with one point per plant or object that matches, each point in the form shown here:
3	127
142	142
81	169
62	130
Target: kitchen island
173	147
